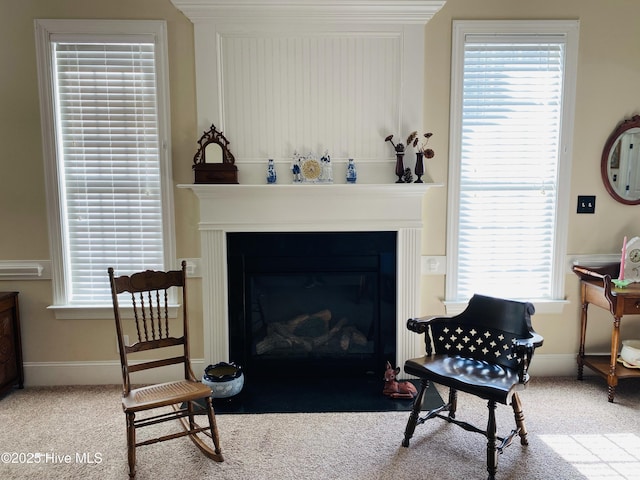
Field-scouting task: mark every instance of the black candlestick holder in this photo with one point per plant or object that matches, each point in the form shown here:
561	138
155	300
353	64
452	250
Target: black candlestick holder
419	168
399	166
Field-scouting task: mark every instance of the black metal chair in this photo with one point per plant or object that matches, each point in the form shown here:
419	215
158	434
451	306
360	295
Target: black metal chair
484	351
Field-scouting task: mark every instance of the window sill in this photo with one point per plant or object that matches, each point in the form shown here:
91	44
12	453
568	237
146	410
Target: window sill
543	307
97	312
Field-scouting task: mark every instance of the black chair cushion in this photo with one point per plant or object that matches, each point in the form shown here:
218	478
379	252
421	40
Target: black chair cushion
490	381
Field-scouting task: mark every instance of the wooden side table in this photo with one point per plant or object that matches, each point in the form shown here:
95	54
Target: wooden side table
11	371
596	288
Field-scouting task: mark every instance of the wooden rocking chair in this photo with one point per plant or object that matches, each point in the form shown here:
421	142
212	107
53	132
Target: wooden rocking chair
150	300
484	351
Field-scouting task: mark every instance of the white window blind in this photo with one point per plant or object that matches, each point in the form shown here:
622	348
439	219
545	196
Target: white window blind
108	151
510	127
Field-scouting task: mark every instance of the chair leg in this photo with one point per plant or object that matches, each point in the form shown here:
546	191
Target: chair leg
131	444
213	425
492	452
192	420
519	416
190	425
453	402
415	413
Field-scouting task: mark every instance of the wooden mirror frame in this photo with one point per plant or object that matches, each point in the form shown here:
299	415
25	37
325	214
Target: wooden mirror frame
225	172
213	136
624	126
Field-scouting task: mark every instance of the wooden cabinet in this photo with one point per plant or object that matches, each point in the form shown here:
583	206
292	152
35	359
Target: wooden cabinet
596	288
11	372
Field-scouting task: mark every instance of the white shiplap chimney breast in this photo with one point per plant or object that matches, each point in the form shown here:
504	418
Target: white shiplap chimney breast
280	76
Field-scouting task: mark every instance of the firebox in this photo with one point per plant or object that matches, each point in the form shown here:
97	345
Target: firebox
312	304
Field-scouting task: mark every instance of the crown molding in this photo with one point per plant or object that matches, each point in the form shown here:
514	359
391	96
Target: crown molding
310	11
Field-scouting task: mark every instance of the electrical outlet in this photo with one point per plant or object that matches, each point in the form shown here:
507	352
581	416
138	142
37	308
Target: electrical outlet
586	204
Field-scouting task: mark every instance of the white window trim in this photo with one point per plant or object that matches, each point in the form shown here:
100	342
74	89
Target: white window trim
570	28
44	29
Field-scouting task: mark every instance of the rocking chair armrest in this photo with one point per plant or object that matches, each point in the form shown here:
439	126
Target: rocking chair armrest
421	324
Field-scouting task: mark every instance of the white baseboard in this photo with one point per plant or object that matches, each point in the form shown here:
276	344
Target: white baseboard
108	372
555	365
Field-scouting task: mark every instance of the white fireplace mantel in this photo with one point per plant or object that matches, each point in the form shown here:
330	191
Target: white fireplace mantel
308	208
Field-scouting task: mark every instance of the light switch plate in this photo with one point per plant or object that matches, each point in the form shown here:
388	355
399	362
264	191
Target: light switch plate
586	204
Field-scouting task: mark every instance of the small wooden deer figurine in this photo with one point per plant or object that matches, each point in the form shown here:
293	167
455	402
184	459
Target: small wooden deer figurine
395	389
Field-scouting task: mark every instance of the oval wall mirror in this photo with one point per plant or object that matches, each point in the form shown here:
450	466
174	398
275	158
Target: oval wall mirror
620	165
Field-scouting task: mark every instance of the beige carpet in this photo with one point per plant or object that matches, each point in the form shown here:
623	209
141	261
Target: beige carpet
574	433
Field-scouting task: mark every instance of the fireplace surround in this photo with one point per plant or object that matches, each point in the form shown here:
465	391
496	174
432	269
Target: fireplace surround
227	209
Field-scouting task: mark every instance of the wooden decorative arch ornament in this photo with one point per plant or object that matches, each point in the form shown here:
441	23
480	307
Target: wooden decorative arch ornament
225	172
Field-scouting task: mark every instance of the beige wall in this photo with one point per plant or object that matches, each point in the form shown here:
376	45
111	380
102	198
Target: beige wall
608	79
22	197
608	76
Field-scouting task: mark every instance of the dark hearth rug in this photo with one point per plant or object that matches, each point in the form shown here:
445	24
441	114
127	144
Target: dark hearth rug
317	396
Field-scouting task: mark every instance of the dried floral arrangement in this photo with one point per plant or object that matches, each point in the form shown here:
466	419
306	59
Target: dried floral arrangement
414	140
421	146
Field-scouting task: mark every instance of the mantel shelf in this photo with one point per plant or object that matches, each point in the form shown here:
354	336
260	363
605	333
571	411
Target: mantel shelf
328	188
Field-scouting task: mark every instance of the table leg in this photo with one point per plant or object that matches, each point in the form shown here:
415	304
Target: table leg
583	335
612	379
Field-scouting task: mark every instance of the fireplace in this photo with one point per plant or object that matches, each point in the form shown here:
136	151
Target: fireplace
226	210
310	304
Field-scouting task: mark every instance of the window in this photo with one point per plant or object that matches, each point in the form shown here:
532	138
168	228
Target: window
512	115
104	120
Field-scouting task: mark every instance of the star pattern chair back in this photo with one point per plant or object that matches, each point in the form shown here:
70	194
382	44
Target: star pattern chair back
485	330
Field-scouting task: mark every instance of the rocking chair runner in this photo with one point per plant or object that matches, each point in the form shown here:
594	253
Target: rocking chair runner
149	295
484	351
